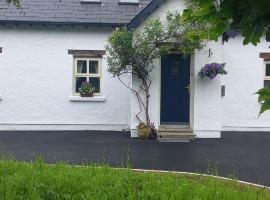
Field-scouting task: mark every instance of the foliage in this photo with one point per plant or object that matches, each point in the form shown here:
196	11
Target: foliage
15	2
264	99
131	52
86	88
250	17
32	181
212	70
143	130
147	132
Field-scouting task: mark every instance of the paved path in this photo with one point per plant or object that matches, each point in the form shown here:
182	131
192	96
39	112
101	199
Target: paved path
248	154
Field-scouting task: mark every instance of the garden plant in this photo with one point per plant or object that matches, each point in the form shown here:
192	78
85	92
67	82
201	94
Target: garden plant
132	52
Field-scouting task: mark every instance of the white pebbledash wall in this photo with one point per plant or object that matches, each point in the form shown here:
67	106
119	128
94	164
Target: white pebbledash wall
36	81
211	113
36	84
240	107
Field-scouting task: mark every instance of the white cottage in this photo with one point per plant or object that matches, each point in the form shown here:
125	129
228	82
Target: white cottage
48	48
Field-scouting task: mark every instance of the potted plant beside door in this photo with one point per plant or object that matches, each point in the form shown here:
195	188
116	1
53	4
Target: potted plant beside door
86	89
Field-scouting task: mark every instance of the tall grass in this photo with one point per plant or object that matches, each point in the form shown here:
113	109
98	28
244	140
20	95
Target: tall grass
37	180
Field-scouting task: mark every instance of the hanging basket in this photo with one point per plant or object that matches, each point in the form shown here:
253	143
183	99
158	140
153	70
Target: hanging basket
212	70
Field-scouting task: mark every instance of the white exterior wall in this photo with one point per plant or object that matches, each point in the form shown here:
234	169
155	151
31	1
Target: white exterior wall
207	94
36	84
246	75
36	81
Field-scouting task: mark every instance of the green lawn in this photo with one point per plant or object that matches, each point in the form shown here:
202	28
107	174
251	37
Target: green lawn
36	181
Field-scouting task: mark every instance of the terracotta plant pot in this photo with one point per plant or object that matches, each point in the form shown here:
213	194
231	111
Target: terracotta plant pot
144	132
87	95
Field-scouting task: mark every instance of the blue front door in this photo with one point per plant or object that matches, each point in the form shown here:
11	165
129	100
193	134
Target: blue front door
175	76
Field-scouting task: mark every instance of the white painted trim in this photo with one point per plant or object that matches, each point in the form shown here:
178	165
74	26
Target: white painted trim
245	129
207	134
134	133
159	90
62	127
191	91
87	99
266	78
87	74
129	1
265	63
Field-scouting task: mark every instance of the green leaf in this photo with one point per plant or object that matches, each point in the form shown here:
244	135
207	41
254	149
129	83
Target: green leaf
265	106
264	94
264	99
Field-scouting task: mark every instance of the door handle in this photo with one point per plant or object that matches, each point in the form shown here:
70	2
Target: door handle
188	87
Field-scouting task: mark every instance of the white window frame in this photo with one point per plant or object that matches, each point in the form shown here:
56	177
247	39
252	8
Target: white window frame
129	1
87	74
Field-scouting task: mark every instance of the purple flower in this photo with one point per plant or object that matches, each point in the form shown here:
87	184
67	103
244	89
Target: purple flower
212	70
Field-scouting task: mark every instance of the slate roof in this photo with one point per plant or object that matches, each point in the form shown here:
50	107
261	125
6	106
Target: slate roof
70	12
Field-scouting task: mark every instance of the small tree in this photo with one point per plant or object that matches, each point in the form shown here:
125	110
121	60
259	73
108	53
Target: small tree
131	52
250	17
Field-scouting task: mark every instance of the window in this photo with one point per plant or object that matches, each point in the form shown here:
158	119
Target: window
91	1
267	74
87	69
136	2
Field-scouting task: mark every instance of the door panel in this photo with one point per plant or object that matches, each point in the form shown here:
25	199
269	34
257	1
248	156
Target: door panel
175	76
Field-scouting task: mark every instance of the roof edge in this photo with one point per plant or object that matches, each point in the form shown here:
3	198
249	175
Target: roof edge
61	23
145	13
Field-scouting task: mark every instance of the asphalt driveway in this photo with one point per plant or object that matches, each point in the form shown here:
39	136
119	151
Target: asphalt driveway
245	155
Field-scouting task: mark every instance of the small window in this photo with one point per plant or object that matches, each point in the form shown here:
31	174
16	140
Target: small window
175	67
87	70
135	2
90	1
267	75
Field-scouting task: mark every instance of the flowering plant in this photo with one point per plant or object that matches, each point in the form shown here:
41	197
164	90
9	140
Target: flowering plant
86	89
212	70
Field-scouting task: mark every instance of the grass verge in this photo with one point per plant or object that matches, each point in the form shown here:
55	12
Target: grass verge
34	181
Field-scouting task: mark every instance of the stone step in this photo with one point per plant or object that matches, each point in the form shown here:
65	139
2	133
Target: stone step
178	136
174	126
187	130
169	140
186	135
177	133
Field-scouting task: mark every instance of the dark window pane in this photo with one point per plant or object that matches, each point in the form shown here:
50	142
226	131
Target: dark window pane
267	70
95	82
81	66
79	81
175	68
267	84
93	67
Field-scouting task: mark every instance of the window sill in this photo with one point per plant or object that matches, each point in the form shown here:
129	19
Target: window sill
87	99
